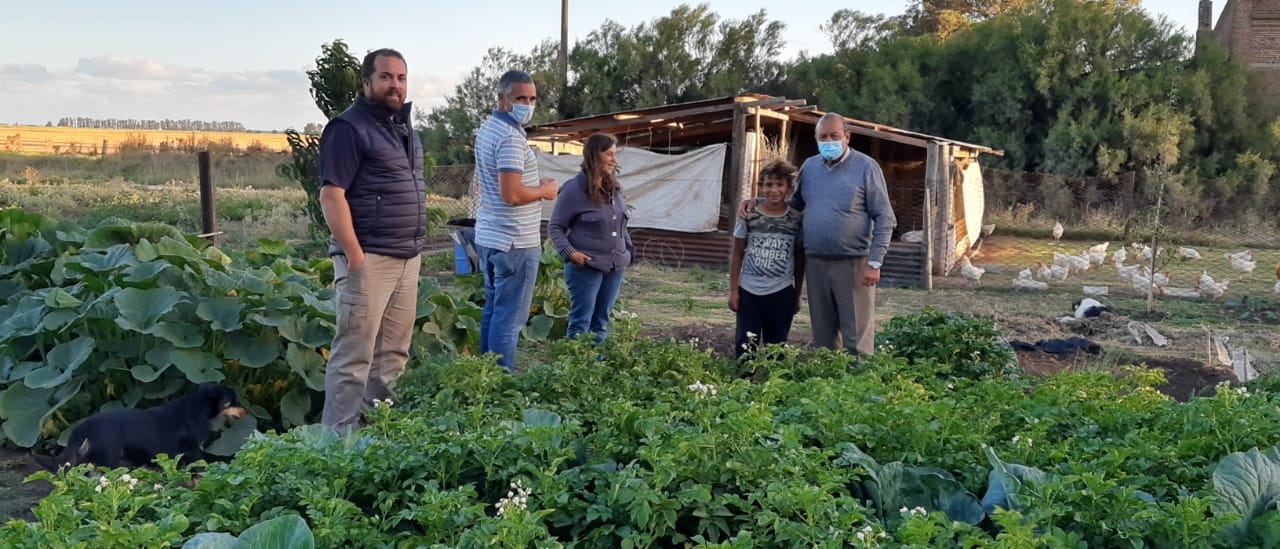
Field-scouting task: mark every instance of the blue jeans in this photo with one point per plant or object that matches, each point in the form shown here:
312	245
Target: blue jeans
591	297
509	278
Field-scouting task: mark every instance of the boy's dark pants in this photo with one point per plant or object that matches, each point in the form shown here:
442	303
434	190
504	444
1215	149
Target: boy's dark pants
767	316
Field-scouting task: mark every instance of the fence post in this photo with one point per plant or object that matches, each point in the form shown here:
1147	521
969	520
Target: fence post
1128	201
208	222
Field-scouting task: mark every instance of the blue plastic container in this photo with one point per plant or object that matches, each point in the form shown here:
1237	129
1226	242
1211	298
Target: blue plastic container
461	264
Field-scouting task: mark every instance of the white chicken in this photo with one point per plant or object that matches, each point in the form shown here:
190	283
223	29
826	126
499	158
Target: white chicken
969	272
914	237
1246	255
1127	271
1024	274
1142	284
1029	284
1043	271
1188	253
1057	230
1100	248
1057	273
1144	251
1209	288
1119	256
1241	264
1080	263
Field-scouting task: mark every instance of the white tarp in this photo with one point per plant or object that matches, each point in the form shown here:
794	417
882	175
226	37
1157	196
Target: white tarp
975	199
672	192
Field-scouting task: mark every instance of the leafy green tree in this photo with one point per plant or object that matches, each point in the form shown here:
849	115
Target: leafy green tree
335	82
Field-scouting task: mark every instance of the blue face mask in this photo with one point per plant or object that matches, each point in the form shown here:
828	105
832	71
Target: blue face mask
522	113
830	150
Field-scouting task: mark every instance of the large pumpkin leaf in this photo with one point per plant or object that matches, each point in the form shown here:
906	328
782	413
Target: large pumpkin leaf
25	409
539	328
200	366
252	351
295	405
61	363
308	364
115	257
58	298
144	272
141	309
180	334
234	436
222	313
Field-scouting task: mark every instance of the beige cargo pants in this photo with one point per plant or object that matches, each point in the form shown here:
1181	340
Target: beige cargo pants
377	304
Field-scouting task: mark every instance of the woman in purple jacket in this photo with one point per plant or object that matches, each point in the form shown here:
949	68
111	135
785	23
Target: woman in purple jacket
589	229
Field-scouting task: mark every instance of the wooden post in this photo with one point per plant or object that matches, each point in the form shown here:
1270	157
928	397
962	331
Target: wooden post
737	144
208	222
928	236
756	154
564	48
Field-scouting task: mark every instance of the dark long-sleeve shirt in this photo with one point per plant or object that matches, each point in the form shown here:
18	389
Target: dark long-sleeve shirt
600	231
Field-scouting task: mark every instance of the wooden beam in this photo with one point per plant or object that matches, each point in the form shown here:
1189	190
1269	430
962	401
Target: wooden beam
782	139
755	157
753	102
879	134
739	137
678	133
647	119
769	113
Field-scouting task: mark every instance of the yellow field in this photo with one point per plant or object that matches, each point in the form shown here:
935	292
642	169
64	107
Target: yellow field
46	140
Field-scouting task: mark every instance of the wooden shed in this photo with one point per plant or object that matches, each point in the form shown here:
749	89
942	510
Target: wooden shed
935	184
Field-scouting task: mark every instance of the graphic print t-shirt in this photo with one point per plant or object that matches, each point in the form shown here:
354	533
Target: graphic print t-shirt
768	265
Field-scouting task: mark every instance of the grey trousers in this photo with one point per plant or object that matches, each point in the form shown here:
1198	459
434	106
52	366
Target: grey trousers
839	304
377	304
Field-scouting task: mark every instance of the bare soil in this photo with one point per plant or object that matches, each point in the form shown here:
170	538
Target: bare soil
19	497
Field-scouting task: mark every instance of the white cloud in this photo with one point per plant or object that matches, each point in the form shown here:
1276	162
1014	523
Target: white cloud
119	68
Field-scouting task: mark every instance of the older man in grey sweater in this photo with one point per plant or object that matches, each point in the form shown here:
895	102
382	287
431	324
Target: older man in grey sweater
848	222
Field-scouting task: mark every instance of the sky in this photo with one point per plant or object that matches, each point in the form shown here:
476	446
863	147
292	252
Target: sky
244	60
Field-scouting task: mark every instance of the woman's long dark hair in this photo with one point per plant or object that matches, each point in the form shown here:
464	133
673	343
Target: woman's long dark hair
600	186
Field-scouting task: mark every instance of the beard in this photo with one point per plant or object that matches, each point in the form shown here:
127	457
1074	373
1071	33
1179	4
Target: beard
392	101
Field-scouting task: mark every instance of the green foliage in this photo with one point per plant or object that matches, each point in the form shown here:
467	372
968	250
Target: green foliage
335	83
658	444
962	344
1068	87
125	315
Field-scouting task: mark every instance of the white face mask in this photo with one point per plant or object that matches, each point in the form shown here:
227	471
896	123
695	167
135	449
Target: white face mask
522	113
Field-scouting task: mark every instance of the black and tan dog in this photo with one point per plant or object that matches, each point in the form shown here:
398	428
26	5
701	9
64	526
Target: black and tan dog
134	437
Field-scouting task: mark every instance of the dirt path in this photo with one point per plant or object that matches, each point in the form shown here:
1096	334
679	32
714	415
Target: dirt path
19	497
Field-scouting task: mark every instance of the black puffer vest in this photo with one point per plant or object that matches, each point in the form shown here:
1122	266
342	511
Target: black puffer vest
388	195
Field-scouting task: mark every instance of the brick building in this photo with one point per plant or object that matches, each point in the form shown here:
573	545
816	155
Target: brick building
1250	29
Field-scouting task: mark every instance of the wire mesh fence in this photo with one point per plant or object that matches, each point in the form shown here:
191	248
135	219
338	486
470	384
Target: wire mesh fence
449	199
1128	235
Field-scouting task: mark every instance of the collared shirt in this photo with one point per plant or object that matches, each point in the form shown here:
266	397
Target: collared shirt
502	146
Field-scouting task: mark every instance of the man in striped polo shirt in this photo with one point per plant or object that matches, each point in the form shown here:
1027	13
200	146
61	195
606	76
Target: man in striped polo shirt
507	236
